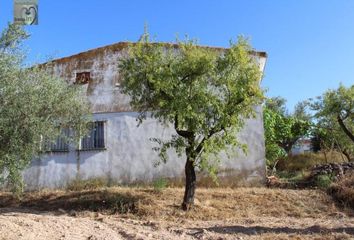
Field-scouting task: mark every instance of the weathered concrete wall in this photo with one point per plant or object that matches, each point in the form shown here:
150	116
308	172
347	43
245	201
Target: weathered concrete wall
129	156
103	91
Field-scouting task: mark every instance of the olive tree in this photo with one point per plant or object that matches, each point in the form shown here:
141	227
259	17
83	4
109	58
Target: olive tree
34	106
204	93
328	136
334	112
337	104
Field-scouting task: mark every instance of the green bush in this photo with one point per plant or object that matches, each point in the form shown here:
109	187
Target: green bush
324	181
160	184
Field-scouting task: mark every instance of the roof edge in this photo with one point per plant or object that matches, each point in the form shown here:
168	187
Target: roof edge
121	45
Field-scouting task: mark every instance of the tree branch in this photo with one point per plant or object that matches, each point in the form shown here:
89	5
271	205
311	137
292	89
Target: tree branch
345	129
211	133
182	133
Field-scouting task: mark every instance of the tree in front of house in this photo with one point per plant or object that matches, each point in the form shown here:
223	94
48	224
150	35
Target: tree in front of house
203	93
282	130
34	106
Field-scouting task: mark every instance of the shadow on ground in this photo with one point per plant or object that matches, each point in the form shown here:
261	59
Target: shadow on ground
256	230
95	200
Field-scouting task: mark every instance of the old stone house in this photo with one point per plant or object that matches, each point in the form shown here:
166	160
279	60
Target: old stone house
116	149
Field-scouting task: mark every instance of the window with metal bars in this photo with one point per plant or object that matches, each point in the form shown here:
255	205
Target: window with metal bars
95	138
61	142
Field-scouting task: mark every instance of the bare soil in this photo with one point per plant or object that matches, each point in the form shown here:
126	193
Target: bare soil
133	213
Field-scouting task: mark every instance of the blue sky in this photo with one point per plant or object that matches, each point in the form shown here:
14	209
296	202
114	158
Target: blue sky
310	43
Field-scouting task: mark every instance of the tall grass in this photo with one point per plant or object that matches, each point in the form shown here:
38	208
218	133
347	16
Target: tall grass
304	162
88	184
343	191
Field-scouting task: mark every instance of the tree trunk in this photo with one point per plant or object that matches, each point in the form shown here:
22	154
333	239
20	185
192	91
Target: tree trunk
287	146
344	128
287	149
325	155
188	199
274	169
346	154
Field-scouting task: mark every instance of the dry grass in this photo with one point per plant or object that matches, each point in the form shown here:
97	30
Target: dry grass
211	204
343	191
144	213
304	162
89	184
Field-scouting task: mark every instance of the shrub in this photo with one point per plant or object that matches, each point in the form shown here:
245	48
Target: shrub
160	184
324	181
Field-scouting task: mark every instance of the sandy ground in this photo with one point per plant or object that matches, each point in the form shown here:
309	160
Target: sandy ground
219	214
19	224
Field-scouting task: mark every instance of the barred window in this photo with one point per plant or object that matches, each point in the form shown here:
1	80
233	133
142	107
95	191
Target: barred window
61	142
95	137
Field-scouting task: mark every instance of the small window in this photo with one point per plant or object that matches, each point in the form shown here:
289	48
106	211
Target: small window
82	77
60	144
95	137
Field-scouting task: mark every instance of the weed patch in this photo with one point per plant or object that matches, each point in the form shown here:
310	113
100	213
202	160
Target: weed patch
343	191
160	184
324	181
89	184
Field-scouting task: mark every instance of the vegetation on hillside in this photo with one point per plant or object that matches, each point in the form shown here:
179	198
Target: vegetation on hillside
328	121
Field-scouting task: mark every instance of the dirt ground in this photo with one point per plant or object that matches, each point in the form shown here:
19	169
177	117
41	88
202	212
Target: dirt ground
125	213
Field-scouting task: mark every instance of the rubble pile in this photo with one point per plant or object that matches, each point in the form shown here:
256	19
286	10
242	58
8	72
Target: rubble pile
337	170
